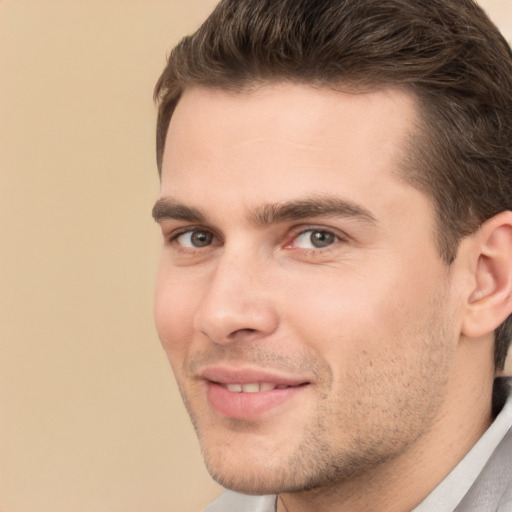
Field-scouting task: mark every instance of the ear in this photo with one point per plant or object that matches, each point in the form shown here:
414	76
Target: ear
490	300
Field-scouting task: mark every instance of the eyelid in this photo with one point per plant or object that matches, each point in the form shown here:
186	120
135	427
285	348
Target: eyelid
301	230
173	235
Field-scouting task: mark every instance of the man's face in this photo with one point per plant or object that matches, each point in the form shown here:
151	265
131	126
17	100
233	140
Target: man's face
301	300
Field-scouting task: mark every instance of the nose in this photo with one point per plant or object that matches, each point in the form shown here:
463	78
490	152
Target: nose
237	302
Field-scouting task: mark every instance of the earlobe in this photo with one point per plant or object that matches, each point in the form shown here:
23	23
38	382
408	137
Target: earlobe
490	300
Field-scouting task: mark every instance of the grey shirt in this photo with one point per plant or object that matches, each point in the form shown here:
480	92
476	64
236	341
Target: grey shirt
481	482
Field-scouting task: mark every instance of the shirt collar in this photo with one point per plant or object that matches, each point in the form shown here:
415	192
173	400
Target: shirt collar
448	494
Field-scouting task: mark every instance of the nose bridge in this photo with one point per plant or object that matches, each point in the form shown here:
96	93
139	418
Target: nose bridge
236	302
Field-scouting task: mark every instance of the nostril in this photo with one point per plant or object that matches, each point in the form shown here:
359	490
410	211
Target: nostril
224	319
243	332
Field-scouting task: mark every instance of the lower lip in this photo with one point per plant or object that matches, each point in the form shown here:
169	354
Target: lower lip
248	405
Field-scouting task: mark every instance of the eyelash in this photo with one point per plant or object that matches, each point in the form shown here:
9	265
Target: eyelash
290	239
296	236
172	239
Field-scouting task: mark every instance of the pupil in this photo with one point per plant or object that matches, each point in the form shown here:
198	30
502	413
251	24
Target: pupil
201	238
321	238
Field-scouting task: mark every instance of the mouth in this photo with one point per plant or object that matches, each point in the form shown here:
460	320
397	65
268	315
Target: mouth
250	394
256	388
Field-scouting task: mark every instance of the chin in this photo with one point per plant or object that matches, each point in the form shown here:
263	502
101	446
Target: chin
243	472
259	482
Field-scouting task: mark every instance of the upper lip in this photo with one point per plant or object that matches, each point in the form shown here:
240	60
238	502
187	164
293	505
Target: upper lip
246	375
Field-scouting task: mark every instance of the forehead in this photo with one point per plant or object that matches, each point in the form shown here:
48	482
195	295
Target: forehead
285	139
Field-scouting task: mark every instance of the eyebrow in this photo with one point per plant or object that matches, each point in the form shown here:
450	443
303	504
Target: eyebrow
272	213
166	208
318	206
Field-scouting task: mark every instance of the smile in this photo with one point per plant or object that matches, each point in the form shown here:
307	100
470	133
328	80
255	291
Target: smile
253	388
250	395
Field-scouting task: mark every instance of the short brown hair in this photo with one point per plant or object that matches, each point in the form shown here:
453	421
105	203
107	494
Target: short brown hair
447	52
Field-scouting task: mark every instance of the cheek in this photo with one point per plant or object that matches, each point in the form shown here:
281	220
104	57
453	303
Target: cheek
175	304
354	320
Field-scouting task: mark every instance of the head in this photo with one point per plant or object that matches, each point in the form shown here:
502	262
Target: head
449	71
448	53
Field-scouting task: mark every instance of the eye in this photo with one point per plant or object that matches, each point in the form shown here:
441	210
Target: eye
194	239
315	239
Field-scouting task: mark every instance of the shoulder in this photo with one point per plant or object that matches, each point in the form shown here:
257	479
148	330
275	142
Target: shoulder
492	490
230	501
501	472
505	504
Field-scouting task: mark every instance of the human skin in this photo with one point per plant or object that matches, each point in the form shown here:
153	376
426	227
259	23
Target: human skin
352	307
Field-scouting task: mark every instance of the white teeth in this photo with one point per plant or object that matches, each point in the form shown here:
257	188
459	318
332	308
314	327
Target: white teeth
253	388
250	388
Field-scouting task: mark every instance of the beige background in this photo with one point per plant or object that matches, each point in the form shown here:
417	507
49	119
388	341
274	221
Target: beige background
90	420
